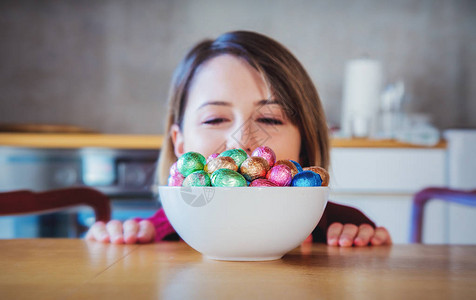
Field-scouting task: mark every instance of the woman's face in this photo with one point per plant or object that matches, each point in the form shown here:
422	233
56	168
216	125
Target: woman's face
227	108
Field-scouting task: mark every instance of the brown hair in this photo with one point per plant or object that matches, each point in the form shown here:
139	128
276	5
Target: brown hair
289	82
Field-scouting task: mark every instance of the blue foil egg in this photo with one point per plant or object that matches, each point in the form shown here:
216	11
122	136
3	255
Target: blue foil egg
298	166
306	178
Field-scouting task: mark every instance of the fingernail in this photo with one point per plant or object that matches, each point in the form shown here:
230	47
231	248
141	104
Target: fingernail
376	241
116	239
345	242
130	239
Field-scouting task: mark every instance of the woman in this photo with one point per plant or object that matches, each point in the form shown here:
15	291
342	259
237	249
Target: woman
244	90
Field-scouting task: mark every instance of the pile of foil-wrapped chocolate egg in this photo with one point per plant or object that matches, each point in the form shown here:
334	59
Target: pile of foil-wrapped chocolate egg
234	168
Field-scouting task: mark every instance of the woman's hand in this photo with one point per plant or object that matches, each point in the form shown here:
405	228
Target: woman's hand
347	235
115	232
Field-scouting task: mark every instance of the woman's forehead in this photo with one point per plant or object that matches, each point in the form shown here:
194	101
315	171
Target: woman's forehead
226	78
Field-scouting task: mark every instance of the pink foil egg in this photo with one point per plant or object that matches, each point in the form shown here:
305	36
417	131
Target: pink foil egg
212	157
266	153
280	175
290	164
175	180
262	182
173	170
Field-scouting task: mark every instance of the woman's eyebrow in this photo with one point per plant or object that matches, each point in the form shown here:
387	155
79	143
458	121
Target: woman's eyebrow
219	103
266	102
224	103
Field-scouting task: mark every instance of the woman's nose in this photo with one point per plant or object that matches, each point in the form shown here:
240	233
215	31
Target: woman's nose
245	137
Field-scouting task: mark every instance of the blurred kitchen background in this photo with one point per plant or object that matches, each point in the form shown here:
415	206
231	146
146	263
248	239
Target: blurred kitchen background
105	66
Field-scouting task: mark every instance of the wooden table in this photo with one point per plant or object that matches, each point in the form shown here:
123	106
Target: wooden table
77	269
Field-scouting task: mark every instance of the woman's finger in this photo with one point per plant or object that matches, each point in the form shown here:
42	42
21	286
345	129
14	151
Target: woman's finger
381	237
333	233
98	232
349	232
114	229
131	229
366	232
146	232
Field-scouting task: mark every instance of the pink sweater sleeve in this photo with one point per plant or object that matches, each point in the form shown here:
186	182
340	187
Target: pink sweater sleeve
161	224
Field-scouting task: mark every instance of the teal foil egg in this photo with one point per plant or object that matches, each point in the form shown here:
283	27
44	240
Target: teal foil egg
190	162
227	178
197	178
306	178
238	155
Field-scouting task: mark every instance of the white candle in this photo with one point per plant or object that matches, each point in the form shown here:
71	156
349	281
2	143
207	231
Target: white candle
361	96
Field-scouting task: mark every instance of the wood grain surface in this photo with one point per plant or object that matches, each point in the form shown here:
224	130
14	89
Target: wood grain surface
131	141
78	269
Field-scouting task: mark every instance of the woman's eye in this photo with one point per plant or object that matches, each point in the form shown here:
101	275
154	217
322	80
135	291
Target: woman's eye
214	121
270	121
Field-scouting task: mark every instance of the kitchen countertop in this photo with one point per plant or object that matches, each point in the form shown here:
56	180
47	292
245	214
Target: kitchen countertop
80	140
132	141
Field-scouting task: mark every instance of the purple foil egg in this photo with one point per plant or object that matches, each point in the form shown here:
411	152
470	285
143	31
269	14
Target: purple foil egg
280	175
262	182
266	153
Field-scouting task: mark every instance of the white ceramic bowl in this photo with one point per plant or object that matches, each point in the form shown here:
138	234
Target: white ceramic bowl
244	223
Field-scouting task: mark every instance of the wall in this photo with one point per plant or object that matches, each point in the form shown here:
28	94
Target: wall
106	65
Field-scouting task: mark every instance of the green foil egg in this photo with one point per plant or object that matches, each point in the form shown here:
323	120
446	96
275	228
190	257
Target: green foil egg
190	162
238	155
227	178
197	178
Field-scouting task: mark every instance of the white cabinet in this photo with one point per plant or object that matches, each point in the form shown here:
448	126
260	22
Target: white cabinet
381	182
386	170
461	175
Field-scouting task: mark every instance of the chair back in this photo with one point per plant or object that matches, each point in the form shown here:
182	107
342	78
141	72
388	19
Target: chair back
445	194
28	202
